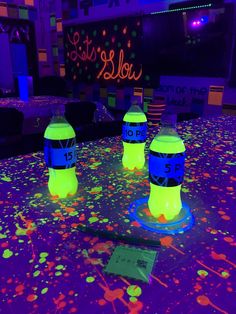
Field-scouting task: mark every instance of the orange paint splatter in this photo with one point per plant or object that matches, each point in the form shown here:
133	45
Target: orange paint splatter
166	241
31	297
162	219
70	209
101	302
159	281
74	225
112	295
61	305
135	307
82	217
109	228
221	212
228	239
204	300
225	217
135	224
146	211
20	288
216	256
103	247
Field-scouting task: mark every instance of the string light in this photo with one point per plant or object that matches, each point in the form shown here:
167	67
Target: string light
183	9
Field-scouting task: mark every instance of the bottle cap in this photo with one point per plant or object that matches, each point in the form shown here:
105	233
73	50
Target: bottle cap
58	110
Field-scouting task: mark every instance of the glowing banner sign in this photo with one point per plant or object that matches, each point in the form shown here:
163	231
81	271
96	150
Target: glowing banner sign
107	51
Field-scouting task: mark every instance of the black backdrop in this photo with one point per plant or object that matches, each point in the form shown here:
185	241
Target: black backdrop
163	44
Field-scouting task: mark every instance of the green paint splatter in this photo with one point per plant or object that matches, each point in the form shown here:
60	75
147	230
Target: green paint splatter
36	273
97	189
44	290
43	254
6	179
58	273
133	299
134	291
2	236
93	219
225	274
42	260
202	273
105	220
59	267
7	253
90	279
75	213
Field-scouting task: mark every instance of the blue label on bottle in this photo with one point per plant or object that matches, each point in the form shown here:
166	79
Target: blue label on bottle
134	132
166	169
60	154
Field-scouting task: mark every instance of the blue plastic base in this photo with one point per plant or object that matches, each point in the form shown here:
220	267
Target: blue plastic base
183	222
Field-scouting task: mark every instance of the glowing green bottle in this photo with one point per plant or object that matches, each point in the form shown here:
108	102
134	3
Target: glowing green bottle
166	170
134	134
60	156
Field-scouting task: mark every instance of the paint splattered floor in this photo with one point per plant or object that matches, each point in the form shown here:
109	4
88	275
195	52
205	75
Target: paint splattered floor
48	266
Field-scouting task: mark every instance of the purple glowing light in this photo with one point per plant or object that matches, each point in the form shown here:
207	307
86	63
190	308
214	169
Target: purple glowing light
200	22
196	23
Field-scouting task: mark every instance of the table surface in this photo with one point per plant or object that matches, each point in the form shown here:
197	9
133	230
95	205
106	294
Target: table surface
37	111
48	266
34	101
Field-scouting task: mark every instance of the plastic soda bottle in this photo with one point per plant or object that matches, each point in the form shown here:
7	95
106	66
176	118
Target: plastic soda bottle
60	156
166	170
134	134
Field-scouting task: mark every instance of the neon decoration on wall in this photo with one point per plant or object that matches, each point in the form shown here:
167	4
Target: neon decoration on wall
88	54
124	70
108	51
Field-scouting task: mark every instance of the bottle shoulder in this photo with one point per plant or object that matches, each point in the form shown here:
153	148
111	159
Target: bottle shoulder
137	117
59	131
167	144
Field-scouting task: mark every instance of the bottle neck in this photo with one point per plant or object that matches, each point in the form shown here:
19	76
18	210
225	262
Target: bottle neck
168	129
58	119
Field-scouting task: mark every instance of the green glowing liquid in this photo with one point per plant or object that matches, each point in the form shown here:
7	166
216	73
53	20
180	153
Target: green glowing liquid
133	155
62	182
165	200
